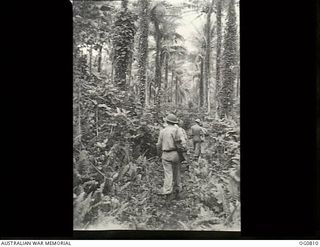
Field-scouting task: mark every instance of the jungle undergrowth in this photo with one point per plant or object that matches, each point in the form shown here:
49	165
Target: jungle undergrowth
134	204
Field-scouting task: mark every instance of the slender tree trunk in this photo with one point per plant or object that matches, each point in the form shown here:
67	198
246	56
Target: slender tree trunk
100	59
230	57
176	90
172	75
150	93
238	82
90	60
79	112
143	48
207	55
158	64
112	73
201	90
171	87
129	71
162	57
218	58
97	121
155	98
112	70
147	102
209	98
166	77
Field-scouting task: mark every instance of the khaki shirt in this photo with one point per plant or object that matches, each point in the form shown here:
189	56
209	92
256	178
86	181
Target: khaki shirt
166	142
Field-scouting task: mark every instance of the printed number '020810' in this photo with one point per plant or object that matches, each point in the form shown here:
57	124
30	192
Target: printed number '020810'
308	243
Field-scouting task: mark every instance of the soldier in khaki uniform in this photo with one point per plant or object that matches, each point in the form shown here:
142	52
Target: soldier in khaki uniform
197	133
168	139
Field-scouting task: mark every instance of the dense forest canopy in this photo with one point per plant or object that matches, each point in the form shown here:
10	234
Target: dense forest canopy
135	61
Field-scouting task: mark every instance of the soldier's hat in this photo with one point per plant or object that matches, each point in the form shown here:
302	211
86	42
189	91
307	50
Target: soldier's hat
197	120
171	118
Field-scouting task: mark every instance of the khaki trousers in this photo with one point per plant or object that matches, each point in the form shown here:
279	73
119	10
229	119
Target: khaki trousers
172	176
197	148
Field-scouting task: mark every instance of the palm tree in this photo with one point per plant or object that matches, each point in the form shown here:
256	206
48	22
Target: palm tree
171	51
157	16
163	16
200	41
199	75
207	58
206	8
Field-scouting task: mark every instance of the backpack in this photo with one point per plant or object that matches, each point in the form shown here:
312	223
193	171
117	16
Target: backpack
182	151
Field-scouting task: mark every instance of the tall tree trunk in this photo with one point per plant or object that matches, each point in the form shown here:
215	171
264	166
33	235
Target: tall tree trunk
143	48
172	75
218	58
208	55
238	82
166	74
150	93
112	70
90	60
100	59
209	98
171	87
120	72
122	39
130	69
230	56
201	89
157	64
79	114
162	58
176	91
130	61
79	109
147	93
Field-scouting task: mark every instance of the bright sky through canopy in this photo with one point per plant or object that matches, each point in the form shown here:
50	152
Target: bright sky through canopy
190	22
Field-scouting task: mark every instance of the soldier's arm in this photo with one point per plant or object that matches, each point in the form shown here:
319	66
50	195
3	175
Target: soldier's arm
183	138
185	135
179	138
204	131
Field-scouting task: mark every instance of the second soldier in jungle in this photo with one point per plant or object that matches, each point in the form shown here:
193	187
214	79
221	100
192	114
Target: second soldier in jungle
197	133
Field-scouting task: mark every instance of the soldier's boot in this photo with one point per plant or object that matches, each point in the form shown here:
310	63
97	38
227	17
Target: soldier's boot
178	194
170	197
185	165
